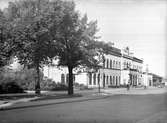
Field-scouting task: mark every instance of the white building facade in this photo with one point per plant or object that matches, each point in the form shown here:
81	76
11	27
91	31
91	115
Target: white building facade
131	71
147	79
118	69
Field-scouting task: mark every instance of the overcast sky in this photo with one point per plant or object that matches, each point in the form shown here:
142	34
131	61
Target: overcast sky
139	24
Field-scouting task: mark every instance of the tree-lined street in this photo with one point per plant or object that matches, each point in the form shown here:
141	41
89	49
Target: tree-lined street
114	87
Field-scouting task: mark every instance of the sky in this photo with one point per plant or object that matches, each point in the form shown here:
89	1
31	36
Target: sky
139	24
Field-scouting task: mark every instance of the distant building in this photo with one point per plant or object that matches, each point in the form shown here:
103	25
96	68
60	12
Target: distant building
164	81
131	70
119	68
147	79
157	80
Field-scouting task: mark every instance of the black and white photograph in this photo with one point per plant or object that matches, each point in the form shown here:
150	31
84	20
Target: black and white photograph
83	61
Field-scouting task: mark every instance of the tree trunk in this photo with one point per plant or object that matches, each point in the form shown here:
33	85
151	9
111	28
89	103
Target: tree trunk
70	83
37	86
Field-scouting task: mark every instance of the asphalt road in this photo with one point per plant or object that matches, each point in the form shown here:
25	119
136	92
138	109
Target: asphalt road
114	109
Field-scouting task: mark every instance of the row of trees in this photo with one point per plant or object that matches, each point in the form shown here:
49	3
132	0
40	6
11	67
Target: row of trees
40	31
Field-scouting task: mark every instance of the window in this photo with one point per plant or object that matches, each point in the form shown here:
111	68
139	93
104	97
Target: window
114	64
107	63
110	63
127	65
62	78
107	80
98	78
116	80
113	80
124	64
104	63
119	80
94	79
90	78
119	65
130	65
110	80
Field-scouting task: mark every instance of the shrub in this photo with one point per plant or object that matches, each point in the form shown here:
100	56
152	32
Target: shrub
10	87
81	86
47	84
25	78
60	87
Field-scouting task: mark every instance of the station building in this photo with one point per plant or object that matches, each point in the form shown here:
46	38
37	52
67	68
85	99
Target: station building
119	68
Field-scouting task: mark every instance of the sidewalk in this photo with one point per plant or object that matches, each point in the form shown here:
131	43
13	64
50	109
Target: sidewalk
13	101
36	102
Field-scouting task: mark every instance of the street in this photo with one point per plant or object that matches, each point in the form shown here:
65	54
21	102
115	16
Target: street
150	108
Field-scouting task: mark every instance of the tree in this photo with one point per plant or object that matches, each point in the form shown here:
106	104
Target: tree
5	51
31	22
44	29
75	38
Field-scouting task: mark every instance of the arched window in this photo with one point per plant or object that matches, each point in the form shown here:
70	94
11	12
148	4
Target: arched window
124	64
119	65
127	65
113	80
110	63
104	80
119	80
116	80
94	79
90	78
107	63
114	64
104	63
98	78
62	78
107	80
110	80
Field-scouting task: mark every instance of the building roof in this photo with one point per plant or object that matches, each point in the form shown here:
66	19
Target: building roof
156	76
117	52
114	51
137	60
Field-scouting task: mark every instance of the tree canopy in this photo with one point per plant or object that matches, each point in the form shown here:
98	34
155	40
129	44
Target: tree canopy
32	21
5	51
43	30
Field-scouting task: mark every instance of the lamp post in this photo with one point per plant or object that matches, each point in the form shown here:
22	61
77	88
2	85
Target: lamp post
100	68
99	81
